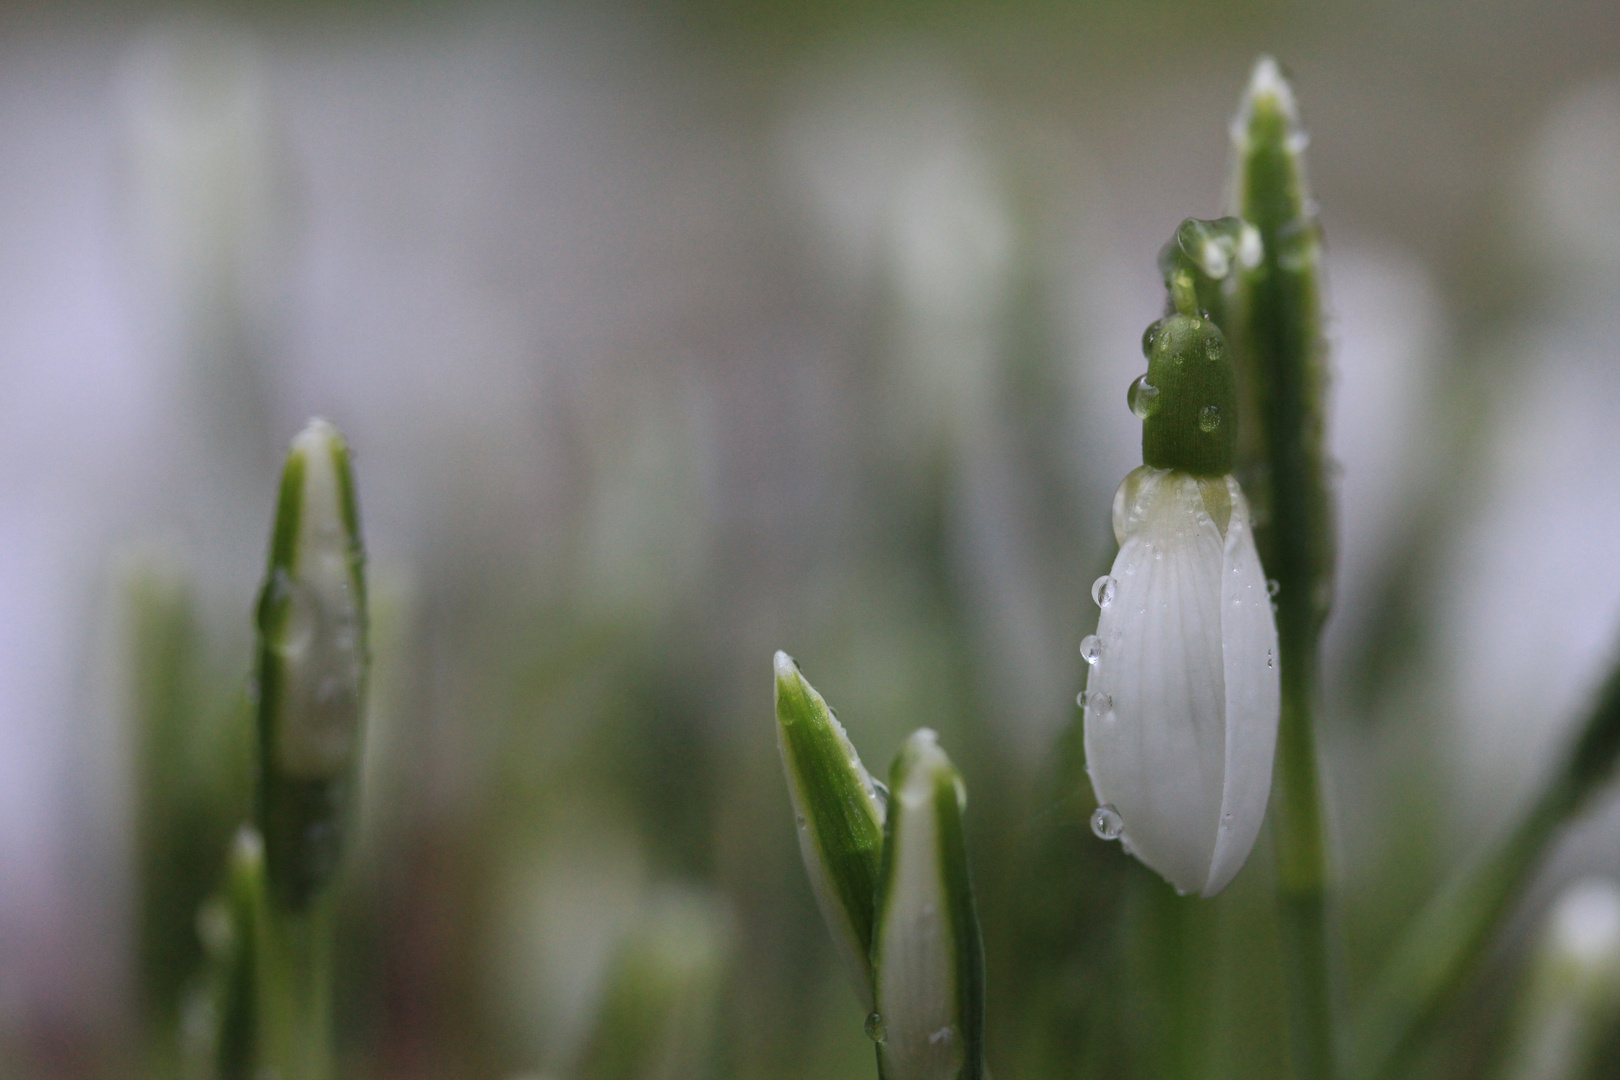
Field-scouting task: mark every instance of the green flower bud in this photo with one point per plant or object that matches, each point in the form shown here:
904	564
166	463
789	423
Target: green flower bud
312	666
927	957
840	817
1188	399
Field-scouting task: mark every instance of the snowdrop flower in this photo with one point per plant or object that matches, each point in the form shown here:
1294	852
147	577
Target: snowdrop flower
1182	697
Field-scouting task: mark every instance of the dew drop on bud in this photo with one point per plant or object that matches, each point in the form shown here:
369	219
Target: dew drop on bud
1102	590
1091	648
1209	418
1149	337
1106	822
874	1027
1143	398
1272	586
881	791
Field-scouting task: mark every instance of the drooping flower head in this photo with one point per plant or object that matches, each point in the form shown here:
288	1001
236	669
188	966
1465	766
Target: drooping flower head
1182	697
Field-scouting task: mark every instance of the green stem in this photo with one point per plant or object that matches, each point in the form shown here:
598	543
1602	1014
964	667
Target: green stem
294	1007
1302	870
1443	945
1282	463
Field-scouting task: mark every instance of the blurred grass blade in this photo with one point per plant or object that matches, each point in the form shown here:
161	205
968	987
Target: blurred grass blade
220	1031
1440	949
928	959
311	683
839	814
1277	331
1571	1001
312	666
658	1013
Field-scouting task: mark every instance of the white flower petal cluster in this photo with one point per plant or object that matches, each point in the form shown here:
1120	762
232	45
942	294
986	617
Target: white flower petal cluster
1182	699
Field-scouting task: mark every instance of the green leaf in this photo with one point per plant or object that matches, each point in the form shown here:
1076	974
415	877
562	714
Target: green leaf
839	814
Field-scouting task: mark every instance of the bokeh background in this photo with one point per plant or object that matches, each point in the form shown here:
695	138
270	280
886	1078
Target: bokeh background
669	334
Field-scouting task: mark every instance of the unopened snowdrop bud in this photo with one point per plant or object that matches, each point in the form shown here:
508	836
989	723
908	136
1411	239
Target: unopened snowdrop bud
839	810
1572	999
927	957
312	666
1182	697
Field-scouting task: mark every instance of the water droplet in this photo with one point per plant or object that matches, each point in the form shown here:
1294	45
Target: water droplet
942	1037
1102	590
1080	700
1143	398
1091	648
1272	586
300	616
1269	661
1149	337
874	1028
1209	418
1102	702
881	790
1196	324
1106	822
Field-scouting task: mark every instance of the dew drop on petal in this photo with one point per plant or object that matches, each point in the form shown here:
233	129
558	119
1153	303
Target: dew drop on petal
1091	648
874	1027
1209	418
1269	661
1102	590
1143	398
1272	586
1106	822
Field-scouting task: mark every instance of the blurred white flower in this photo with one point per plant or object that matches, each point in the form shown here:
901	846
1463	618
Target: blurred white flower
1182	699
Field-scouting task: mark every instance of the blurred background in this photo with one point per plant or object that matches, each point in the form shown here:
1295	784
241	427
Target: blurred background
670	334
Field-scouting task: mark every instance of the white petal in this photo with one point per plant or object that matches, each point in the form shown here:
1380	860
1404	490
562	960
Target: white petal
1155	728
917	965
1181	719
1249	648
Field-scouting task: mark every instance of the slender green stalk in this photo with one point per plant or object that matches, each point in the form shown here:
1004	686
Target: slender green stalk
1280	352
294	992
1442	946
311	680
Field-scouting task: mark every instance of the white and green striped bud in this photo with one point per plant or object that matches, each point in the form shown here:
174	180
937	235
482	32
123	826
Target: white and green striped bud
839	811
311	667
927	957
1571	1002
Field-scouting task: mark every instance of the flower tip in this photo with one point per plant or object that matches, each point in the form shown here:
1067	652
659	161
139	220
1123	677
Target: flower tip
1269	83
1268	105
786	668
